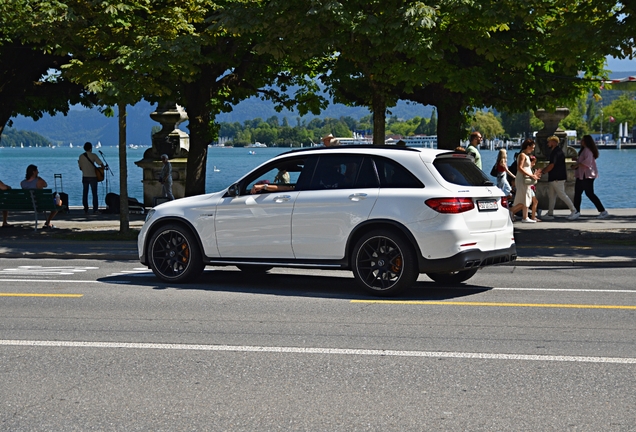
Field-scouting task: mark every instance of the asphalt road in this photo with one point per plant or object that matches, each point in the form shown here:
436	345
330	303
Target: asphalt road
102	345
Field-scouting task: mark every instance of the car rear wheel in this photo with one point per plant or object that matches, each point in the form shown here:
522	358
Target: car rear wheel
384	263
452	278
174	254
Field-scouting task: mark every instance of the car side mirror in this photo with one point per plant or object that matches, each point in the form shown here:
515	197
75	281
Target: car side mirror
233	190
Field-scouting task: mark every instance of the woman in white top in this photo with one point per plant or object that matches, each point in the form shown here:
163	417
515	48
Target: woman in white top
523	197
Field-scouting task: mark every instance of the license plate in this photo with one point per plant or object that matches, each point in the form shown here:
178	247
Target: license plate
487	205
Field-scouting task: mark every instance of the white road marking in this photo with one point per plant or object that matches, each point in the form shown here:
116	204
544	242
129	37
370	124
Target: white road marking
53	280
328	351
45	271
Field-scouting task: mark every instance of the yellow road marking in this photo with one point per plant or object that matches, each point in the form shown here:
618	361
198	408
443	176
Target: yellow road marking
495	304
40	295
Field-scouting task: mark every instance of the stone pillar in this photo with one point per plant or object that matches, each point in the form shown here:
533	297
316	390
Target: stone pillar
551	122
169	140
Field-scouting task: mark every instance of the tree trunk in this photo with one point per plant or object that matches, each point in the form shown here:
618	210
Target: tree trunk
199	125
379	119
451	122
124	217
451	113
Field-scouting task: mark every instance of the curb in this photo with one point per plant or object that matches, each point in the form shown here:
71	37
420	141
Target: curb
574	262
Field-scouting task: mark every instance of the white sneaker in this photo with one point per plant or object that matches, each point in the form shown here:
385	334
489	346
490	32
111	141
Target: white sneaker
528	220
548	217
574	215
602	215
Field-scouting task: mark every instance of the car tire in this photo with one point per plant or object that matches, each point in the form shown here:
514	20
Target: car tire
452	278
174	254
254	268
384	263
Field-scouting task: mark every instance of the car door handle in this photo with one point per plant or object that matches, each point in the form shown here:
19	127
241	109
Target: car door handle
357	196
282	198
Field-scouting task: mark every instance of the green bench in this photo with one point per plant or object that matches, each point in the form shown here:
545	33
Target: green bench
31	200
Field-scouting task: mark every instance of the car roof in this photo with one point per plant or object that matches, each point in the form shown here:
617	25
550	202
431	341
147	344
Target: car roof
381	150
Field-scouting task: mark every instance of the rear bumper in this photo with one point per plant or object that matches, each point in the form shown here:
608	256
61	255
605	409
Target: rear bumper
469	259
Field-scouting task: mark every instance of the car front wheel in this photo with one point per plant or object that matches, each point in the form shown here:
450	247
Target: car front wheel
174	254
384	263
452	278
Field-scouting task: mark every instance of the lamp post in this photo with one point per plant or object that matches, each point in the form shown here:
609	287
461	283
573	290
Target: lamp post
601	122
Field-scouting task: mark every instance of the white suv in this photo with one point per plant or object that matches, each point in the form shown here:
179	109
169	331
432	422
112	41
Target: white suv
386	213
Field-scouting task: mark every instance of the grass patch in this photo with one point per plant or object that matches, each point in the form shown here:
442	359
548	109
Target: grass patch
97	236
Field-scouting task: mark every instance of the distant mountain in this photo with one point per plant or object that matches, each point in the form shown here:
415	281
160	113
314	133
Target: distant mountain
81	125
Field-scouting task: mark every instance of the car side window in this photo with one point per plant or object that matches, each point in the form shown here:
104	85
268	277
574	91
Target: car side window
394	175
367	175
285	173
340	171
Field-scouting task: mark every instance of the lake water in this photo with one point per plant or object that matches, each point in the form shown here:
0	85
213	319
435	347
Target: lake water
615	168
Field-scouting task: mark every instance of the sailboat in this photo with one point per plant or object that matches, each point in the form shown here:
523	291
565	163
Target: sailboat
98	145
216	169
71	145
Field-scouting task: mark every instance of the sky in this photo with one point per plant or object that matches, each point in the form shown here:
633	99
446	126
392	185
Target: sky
616	65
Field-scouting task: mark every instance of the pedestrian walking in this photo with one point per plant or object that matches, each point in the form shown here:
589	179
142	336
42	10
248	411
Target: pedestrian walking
166	177
472	147
557	175
501	166
86	163
525	179
586	172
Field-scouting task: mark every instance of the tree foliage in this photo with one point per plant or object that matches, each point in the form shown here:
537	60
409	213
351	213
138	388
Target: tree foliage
488	124
29	56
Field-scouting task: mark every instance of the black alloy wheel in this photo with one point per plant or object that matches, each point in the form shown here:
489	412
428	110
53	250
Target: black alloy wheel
174	254
384	263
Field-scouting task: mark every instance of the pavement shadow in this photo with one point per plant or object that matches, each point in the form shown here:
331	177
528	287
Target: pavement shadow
570	242
294	285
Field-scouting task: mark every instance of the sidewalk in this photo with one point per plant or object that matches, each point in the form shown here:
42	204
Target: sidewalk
586	241
21	240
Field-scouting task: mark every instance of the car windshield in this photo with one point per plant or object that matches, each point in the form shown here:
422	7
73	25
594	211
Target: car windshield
461	171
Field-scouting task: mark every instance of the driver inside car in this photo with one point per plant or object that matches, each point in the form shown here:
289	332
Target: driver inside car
264	186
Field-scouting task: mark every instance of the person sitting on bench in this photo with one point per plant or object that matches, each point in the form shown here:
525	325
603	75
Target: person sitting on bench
5	213
33	181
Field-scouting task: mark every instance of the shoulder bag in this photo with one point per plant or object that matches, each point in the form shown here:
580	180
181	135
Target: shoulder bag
493	171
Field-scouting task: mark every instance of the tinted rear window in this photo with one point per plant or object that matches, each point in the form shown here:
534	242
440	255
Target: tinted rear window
394	175
461	171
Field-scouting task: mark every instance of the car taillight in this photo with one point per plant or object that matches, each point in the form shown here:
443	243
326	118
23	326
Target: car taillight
450	205
504	202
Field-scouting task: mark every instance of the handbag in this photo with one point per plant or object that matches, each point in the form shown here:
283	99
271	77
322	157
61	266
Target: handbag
493	171
529	181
